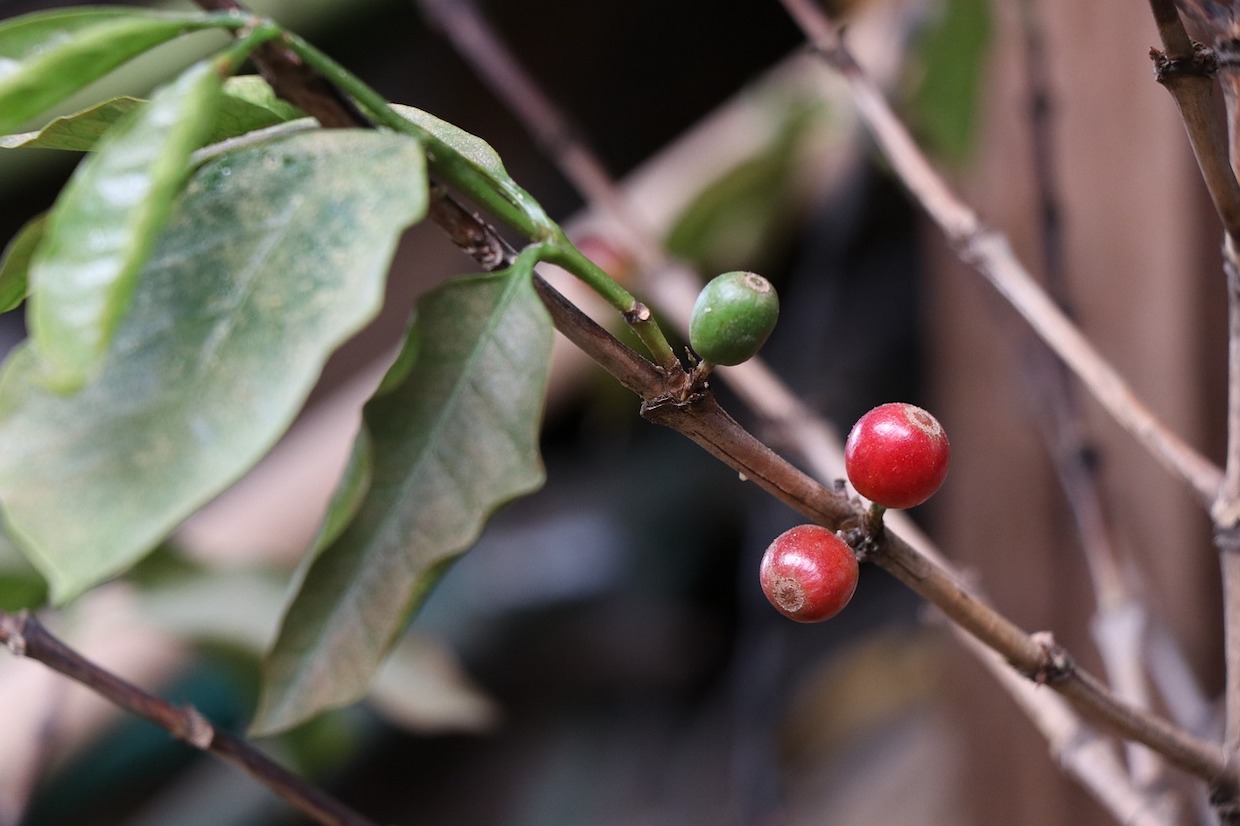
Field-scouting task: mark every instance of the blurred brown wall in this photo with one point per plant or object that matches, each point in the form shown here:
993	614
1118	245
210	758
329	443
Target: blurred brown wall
1143	271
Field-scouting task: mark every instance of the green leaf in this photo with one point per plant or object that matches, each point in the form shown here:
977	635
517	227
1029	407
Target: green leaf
247	104
423	688
743	218
272	257
349	494
20	584
46	57
239	607
105	221
952	50
453	441
470	147
463	157
78	132
15	263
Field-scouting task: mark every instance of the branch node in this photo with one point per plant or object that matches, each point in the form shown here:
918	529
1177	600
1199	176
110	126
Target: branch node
682	396
1227	53
868	536
1203	63
639	313
197	730
1225	803
12	631
1226	516
868	543
467	230
1054	665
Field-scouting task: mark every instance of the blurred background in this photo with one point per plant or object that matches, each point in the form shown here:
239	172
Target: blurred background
604	655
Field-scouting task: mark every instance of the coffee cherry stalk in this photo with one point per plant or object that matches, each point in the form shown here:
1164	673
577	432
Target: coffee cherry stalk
897	457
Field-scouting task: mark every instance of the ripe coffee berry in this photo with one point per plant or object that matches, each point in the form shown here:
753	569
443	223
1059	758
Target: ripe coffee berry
808	573
732	317
897	455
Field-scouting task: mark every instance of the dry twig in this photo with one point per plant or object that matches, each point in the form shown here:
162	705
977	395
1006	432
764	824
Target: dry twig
25	636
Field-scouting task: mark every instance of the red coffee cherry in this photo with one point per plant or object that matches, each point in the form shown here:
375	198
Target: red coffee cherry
897	455
808	573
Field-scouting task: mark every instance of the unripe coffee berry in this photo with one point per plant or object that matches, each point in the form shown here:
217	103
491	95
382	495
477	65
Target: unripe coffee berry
808	573
732	317
897	455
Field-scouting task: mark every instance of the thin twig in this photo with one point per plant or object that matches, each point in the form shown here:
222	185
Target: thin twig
1226	515
551	128
1087	757
1187	70
1063	420
1119	619
702	420
989	253
25	636
1081	751
1217	21
1226	511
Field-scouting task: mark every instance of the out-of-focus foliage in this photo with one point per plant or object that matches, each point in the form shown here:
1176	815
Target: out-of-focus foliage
945	76
739	220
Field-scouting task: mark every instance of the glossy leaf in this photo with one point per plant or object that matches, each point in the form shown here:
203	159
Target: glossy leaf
470	147
453	440
247	104
468	156
15	264
46	57
77	132
272	257
105	221
349	494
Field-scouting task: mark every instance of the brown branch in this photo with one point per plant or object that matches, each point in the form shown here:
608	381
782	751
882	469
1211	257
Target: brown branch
1171	29
293	81
707	424
25	636
1061	414
556	135
1190	80
1226	511
1119	618
989	253
1083	753
1187	71
1218	22
1080	750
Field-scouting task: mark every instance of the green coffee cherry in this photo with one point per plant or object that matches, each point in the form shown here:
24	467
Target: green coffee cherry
732	317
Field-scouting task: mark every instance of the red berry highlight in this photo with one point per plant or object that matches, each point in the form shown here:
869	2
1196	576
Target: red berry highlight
808	573
897	455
